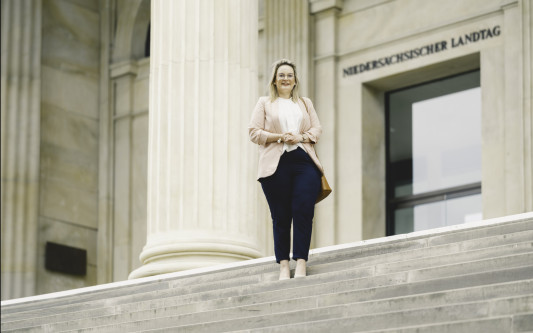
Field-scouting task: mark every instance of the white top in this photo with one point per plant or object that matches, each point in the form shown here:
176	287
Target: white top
290	117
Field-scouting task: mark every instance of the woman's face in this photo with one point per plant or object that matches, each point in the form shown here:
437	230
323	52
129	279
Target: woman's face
285	80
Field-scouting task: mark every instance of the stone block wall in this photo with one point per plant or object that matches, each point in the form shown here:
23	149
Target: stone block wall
68	203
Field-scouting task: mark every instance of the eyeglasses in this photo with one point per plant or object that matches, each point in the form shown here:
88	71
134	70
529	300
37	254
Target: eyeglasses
283	76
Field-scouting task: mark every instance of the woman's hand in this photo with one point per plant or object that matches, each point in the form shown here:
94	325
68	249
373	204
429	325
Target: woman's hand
292	139
273	137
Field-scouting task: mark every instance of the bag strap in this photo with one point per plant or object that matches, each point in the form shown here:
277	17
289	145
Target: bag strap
306	109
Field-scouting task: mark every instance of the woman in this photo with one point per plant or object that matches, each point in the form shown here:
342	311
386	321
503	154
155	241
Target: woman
286	128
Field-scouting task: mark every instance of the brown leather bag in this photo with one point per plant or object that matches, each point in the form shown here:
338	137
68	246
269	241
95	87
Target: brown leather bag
325	188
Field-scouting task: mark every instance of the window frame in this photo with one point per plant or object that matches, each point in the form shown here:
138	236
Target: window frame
393	203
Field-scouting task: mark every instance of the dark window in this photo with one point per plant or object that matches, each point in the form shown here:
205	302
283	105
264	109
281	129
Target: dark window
434	154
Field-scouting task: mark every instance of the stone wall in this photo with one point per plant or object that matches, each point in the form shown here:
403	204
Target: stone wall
69	137
352	32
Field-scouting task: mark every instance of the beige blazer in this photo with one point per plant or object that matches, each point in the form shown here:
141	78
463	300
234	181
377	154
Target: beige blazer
265	119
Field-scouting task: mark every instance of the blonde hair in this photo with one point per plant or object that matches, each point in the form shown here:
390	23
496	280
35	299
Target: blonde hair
295	95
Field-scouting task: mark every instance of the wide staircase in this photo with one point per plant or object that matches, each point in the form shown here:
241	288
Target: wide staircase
475	277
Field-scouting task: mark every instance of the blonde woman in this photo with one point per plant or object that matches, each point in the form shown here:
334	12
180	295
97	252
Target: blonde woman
286	128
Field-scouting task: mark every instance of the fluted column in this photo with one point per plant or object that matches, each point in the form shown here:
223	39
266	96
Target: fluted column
20	108
287	36
201	170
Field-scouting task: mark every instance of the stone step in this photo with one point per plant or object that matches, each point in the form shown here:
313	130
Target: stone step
399	243
341	318
366	275
493	325
333	295
510	308
513	323
440	255
314	269
483	265
471	237
305	304
380	269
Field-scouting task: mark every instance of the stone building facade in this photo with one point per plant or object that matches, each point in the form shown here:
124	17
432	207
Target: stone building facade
83	167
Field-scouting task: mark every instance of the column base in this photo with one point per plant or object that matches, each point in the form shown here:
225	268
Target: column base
161	256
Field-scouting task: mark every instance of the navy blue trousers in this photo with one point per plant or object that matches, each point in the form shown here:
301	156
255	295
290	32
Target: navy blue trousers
291	194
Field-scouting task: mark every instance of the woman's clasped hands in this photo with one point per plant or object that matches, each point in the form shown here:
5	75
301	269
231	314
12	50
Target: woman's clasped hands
291	138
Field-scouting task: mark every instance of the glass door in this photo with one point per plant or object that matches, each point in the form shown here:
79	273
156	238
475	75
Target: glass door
434	154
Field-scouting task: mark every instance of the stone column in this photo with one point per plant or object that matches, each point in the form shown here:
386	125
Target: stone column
325	17
287	35
20	108
201	170
507	173
527	36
